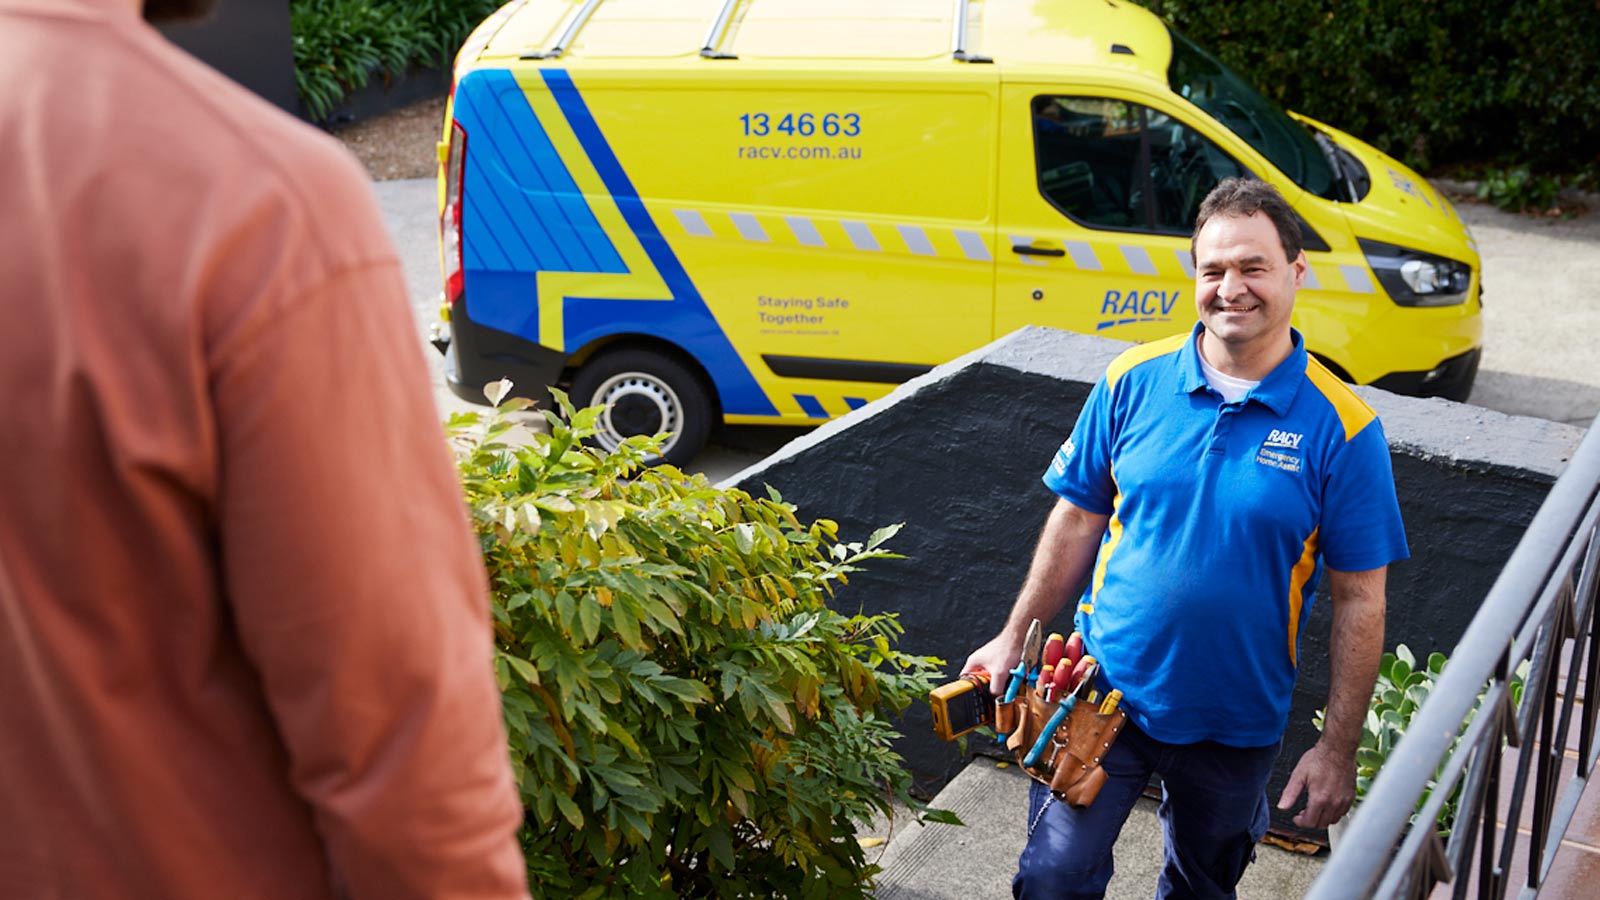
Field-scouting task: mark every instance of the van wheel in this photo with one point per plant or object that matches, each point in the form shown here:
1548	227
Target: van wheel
645	392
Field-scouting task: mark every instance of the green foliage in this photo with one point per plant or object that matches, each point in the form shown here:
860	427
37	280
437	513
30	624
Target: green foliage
1401	688
687	714
1518	190
1432	83
340	44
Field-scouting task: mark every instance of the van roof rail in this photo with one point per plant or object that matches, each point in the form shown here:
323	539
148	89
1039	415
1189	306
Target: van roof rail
719	29
958	37
567	34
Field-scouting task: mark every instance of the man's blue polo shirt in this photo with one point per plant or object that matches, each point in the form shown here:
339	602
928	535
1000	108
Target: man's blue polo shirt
1222	515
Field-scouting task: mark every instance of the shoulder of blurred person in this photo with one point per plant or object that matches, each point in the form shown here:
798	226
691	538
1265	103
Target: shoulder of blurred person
117	123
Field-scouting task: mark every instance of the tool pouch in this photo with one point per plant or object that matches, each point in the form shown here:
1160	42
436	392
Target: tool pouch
1070	764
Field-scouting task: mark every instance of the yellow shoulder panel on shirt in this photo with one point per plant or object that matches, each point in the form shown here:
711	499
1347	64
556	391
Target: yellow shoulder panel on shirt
1354	413
1143	354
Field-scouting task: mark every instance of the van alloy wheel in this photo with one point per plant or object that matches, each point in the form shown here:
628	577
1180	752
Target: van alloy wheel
645	391
637	403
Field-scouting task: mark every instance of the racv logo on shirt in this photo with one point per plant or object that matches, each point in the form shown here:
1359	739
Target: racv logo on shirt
1062	455
1281	450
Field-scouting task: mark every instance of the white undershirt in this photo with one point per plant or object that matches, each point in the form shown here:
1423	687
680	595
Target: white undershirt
1232	389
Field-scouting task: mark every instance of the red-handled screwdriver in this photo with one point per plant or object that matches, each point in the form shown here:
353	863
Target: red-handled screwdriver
1061	683
1055	647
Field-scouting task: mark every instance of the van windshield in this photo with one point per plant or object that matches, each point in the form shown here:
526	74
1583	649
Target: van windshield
1198	77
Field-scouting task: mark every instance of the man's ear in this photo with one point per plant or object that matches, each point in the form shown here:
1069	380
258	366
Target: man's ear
1301	267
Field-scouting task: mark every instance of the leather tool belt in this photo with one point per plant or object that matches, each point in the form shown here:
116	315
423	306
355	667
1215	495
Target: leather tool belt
1070	763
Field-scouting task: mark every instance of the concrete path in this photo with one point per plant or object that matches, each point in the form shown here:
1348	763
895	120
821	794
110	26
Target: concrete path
976	861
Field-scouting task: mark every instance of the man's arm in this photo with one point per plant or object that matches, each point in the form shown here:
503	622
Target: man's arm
360	596
1327	771
1067	547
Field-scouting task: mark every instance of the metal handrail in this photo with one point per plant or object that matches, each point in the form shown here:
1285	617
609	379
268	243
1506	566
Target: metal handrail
1543	604
719	28
567	34
958	36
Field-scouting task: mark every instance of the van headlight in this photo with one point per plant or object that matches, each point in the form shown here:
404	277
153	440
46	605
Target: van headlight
1414	278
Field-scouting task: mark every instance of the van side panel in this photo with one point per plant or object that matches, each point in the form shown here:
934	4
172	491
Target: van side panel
555	238
840	230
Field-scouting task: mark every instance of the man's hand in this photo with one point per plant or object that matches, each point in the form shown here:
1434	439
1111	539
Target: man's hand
1061	562
1328	778
998	658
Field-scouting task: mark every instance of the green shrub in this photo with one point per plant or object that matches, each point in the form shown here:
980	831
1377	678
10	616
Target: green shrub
1397	696
340	44
687	715
1519	190
1432	83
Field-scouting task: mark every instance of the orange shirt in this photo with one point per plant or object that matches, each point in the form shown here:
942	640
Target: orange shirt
244	640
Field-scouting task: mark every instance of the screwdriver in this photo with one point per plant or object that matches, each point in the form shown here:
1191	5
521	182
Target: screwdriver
1055	647
1109	705
1061	714
1061	683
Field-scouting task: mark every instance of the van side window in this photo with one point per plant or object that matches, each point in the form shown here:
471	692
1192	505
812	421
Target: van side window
1114	164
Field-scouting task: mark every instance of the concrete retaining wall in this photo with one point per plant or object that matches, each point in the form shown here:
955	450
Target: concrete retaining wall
957	454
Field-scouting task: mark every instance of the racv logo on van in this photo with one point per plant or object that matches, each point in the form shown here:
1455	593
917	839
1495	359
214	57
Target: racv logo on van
1136	306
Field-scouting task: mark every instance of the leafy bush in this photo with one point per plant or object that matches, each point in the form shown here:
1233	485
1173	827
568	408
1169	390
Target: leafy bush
1518	190
340	44
1401	688
687	715
1432	83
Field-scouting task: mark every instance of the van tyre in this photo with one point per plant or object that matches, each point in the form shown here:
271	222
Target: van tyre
646	392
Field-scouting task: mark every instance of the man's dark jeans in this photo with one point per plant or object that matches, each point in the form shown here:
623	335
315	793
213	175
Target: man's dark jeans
1213	811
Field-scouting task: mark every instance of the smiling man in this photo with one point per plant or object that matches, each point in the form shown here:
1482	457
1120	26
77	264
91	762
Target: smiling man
1209	480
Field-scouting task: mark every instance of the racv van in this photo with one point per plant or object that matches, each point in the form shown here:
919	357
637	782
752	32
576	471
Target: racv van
773	211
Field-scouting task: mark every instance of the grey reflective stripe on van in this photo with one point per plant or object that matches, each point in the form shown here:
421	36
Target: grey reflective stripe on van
749	228
860	235
1138	260
973	246
692	222
1186	261
804	231
916	241
1083	255
1357	279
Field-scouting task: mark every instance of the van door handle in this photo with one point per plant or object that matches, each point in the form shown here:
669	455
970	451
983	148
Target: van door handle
1030	250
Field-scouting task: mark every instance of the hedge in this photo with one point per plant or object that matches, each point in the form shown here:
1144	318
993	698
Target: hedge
340	44
1437	83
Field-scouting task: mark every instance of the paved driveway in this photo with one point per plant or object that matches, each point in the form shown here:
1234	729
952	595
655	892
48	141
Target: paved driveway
1541	315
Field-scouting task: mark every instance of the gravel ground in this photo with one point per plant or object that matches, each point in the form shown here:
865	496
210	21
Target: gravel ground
398	144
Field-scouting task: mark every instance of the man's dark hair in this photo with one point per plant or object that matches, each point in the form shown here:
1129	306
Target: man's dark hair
1244	197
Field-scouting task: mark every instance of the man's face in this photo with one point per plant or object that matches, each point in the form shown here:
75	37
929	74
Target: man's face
1244	283
164	11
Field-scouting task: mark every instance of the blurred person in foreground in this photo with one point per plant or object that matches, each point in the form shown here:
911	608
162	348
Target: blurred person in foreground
244	639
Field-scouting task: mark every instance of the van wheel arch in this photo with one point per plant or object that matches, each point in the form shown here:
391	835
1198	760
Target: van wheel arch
658	382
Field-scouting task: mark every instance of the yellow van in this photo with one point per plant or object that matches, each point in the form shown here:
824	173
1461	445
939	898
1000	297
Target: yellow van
773	211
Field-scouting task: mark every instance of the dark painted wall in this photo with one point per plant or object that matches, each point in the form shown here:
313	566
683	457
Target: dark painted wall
957	456
248	41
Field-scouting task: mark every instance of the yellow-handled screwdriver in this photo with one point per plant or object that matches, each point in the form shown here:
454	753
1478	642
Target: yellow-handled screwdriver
1109	705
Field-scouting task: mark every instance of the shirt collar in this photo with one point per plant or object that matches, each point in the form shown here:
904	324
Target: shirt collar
1276	391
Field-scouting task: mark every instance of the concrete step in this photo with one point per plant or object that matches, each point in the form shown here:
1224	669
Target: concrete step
977	861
